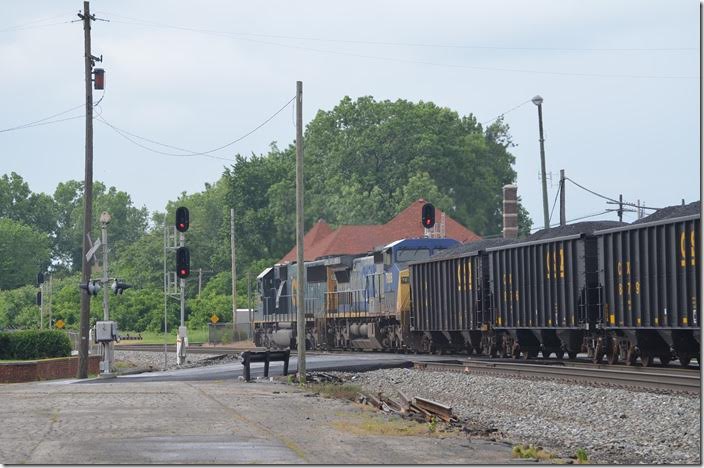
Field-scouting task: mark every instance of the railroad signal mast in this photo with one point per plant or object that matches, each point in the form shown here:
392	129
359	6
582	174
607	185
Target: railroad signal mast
183	270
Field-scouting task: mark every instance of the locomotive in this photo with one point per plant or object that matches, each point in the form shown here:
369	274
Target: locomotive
619	292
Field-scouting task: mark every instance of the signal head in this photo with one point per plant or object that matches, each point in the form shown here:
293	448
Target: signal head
428	216
182	219
183	262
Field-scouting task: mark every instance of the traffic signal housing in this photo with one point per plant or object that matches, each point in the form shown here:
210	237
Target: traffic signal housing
428	216
92	287
183	262
182	219
119	286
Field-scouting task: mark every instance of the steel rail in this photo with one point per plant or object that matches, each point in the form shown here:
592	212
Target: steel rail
650	379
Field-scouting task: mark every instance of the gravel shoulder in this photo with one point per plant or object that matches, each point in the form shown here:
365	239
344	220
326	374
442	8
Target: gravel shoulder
612	425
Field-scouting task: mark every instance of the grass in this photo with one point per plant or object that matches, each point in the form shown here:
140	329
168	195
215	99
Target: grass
531	451
582	457
339	391
194	336
375	424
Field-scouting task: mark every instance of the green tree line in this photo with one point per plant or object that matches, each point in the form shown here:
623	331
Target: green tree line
365	161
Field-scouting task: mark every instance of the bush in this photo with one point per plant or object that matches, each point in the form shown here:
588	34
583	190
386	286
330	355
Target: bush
34	344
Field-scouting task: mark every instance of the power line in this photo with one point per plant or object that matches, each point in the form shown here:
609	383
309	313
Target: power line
406	61
572	220
31	124
188	153
32	24
506	112
47	121
141	22
552	210
609	198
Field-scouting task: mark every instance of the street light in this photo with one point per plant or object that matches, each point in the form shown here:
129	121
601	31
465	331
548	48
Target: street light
538	101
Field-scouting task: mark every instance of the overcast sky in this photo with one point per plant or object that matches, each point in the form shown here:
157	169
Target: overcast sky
620	81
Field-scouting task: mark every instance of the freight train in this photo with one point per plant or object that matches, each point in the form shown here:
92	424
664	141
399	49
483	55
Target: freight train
619	292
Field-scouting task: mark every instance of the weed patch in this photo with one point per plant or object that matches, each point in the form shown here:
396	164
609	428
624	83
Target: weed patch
531	451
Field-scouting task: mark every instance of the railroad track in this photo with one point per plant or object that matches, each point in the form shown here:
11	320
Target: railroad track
650	378
192	348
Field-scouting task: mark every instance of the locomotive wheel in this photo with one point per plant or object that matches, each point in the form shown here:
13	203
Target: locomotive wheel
612	354
665	359
684	359
646	359
572	355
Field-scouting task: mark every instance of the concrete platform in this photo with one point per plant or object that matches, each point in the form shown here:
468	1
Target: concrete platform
214	421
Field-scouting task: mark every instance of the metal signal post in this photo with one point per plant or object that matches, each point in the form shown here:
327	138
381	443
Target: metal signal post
300	309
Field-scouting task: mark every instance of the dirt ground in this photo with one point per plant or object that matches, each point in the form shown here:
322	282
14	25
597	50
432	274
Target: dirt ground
227	422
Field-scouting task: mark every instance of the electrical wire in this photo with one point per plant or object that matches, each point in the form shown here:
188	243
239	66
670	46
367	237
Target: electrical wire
38	122
188	153
406	61
32	25
141	22
554	203
47	121
610	199
572	220
506	112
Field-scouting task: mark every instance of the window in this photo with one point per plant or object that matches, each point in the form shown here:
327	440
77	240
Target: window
411	255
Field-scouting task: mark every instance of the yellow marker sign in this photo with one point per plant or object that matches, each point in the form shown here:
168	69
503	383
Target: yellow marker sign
214	318
59	323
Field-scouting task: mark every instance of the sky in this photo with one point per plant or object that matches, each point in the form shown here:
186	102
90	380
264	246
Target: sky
620	81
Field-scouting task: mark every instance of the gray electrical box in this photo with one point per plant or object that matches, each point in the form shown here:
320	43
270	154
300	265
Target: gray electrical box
105	331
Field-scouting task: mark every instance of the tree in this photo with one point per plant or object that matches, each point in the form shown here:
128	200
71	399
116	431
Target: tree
128	222
17	202
23	253
374	155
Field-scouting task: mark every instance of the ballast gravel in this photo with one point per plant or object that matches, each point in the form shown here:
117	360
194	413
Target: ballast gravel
612	425
145	360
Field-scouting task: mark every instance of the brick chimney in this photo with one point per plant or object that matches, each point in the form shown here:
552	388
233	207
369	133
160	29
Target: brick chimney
510	212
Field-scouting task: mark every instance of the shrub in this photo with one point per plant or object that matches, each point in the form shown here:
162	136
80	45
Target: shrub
34	344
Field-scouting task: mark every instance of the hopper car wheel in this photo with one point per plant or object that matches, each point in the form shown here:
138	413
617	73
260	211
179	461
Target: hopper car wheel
646	359
572	355
598	353
560	355
612	354
664	359
631	356
516	351
684	359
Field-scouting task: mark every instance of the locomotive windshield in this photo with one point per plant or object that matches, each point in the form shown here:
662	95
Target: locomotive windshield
411	255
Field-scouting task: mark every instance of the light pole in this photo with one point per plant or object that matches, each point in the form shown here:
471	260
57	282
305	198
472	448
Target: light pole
538	101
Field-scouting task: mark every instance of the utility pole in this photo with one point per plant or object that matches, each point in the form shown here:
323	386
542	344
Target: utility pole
620	207
249	304
300	302
200	280
563	218
87	193
234	274
538	101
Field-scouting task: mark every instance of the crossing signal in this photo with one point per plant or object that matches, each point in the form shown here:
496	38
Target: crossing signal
39	298
92	287
182	219
183	262
40	278
428	215
119	286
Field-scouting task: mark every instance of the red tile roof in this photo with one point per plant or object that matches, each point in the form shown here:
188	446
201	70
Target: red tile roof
352	239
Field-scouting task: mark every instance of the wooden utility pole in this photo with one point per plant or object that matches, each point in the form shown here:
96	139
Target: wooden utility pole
563	219
300	301
87	196
234	274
